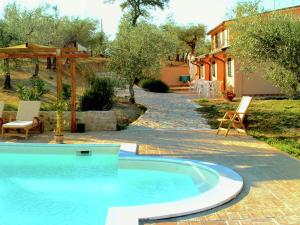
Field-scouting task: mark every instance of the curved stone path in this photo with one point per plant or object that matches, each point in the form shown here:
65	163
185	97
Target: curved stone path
168	112
171	128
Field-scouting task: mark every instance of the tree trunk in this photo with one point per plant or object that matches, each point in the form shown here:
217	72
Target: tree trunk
7	81
177	58
192	44
36	70
182	58
294	93
49	64
54	63
131	91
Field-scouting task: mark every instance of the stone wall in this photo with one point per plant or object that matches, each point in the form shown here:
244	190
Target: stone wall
93	120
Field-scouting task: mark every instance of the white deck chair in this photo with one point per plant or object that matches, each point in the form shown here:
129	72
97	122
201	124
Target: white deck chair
26	119
235	119
1	112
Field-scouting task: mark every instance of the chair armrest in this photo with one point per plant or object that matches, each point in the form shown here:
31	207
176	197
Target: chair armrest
230	113
36	120
227	111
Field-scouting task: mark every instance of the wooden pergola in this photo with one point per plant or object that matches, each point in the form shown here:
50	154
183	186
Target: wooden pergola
39	51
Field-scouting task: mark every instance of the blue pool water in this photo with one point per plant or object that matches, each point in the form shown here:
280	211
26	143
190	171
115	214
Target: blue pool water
67	189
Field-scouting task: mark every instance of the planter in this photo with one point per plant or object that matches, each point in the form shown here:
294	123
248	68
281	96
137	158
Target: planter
59	139
80	128
229	98
228	95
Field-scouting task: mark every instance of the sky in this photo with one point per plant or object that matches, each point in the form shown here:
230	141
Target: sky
183	12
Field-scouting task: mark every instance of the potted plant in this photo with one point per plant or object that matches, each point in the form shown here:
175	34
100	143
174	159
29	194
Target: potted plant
60	107
228	95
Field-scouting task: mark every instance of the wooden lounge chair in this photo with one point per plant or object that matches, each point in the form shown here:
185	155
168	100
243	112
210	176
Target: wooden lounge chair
1	112
27	118
235	119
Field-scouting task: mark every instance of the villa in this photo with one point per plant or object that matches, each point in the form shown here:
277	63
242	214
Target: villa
103	151
219	65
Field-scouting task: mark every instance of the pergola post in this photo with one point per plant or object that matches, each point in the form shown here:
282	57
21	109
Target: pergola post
59	116
73	95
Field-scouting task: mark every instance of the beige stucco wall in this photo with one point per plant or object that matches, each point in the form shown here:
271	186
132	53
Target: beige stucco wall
93	120
170	74
252	84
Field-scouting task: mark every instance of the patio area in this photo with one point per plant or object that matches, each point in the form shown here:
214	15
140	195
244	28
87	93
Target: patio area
171	128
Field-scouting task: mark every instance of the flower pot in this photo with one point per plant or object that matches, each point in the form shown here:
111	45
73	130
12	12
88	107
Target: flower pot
230	98
59	139
80	128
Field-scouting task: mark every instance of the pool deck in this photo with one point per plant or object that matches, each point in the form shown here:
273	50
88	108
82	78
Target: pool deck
171	128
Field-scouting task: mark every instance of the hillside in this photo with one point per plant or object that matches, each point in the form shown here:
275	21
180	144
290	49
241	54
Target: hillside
21	75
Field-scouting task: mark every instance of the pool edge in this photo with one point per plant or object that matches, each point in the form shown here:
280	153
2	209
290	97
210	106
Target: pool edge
230	186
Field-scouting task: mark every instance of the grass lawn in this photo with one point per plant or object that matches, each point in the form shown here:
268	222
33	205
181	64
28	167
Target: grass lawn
276	122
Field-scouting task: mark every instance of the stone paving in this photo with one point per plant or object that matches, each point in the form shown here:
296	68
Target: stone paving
171	128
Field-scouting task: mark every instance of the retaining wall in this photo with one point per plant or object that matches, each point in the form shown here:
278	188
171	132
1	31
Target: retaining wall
93	120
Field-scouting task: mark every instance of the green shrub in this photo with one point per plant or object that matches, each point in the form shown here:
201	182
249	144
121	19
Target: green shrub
66	91
34	92
39	86
99	96
154	86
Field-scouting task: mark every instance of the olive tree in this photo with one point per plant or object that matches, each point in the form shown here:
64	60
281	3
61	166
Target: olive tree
190	38
137	52
139	8
270	41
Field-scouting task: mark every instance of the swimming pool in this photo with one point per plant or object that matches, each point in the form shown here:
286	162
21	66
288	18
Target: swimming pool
94	185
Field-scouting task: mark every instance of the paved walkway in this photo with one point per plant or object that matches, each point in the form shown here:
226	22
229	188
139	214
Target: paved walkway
172	128
168	112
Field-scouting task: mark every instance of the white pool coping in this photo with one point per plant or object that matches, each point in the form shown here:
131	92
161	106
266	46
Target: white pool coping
229	186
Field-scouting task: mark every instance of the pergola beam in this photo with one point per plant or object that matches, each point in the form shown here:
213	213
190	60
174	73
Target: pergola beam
24	50
41	55
27	55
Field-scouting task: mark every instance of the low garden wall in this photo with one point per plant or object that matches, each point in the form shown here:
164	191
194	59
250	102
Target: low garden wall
93	120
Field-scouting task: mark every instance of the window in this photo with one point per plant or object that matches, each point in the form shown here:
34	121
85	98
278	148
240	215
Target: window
216	41
229	67
226	37
202	71
214	69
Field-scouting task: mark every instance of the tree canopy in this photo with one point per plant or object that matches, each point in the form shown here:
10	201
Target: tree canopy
44	26
189	38
270	41
139	8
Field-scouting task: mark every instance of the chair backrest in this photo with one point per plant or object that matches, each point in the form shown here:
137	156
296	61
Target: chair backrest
28	110
1	108
243	106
